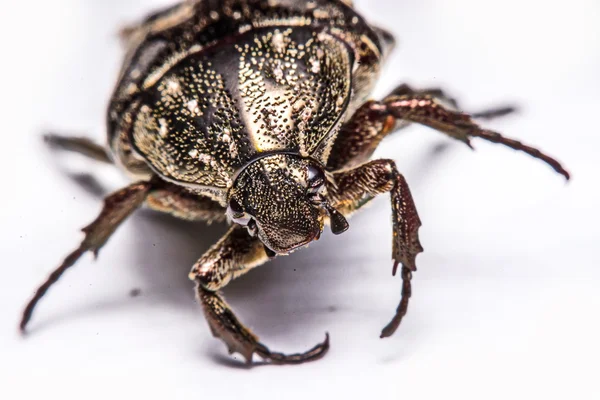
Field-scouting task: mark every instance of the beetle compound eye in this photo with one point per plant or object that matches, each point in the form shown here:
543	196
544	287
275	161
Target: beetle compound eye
237	214
315	183
315	176
235	207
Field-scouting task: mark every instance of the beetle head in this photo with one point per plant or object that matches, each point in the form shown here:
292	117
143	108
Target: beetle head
282	199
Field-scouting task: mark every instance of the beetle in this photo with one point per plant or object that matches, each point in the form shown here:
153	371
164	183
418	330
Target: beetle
257	112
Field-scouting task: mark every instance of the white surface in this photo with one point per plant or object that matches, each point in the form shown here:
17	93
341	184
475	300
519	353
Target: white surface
506	298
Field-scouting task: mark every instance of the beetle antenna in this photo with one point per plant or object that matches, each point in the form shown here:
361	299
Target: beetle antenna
338	221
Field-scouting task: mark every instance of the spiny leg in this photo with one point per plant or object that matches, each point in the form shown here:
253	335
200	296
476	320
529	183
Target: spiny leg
437	93
373	121
361	135
234	255
425	110
79	145
352	188
117	207
450	102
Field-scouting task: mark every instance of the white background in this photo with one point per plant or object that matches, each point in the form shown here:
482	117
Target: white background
506	298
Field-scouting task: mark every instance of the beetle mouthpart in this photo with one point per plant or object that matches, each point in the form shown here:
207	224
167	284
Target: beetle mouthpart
338	221
270	253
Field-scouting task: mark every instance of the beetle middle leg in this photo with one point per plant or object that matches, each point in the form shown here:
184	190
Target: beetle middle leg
373	121
425	110
234	255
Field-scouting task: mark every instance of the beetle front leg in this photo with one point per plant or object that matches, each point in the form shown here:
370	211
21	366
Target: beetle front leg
354	187
234	255
117	207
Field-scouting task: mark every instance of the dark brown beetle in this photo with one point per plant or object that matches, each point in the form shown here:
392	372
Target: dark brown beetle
256	112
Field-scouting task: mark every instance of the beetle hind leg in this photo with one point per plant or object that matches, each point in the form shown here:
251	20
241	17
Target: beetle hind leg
235	254
450	102
426	110
373	121
81	145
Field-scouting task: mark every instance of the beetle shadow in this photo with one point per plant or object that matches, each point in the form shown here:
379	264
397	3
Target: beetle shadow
284	300
287	296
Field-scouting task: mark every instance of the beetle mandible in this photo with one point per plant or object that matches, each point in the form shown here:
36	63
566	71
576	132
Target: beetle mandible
257	112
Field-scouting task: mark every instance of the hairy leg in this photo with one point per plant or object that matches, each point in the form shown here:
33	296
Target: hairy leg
177	201
79	145
374	120
427	111
360	136
117	207
450	102
234	255
352	188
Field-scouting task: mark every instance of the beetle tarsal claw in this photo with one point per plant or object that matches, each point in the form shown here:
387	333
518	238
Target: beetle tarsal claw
391	327
239	339
312	354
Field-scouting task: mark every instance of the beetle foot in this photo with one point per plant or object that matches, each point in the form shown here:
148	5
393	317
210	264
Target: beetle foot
313	354
391	327
239	339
